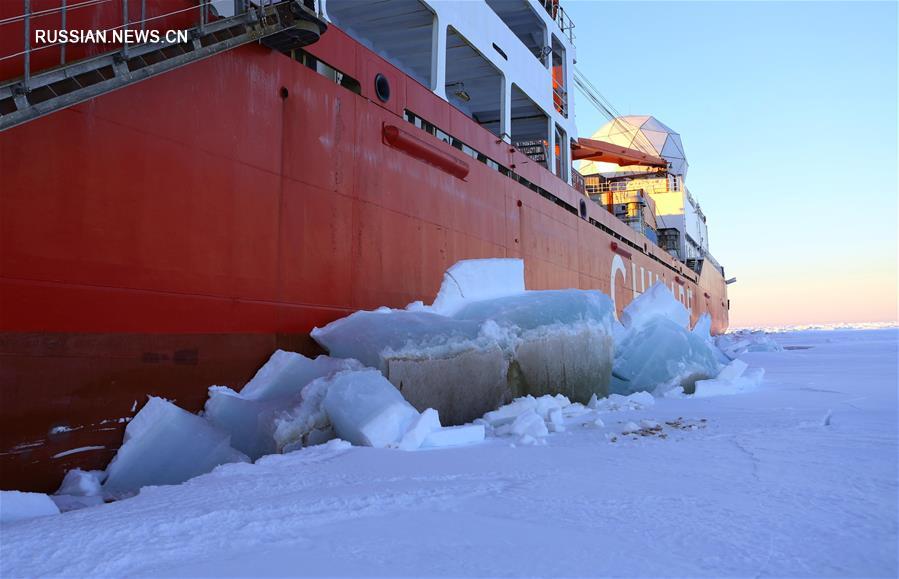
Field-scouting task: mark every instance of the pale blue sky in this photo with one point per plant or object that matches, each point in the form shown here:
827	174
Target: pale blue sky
787	113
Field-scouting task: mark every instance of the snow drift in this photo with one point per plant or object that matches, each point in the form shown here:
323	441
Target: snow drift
18	506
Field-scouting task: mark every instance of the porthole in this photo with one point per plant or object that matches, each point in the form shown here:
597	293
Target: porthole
382	87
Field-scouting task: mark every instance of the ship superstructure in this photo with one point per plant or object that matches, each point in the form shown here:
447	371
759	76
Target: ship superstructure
172	213
653	200
504	64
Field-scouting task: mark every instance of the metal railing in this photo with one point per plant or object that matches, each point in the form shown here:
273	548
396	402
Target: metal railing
28	17
560	100
658	186
278	24
560	17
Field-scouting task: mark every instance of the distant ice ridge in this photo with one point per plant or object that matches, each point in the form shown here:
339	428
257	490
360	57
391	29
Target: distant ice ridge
830	326
737	343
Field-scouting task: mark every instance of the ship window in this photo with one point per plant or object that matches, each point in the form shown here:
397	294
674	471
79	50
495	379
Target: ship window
560	90
327	71
562	153
523	22
376	28
530	127
473	84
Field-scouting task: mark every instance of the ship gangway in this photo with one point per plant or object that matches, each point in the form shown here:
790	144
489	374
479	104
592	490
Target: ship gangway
34	91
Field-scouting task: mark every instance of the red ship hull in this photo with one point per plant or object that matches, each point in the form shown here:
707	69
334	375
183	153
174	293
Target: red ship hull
170	235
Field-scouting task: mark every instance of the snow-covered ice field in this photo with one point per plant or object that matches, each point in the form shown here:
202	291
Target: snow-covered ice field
796	478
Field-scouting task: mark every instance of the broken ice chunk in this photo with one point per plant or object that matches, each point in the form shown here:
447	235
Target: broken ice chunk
657	351
747	380
535	309
79	489
575	409
285	373
367	410
455	366
656	302
248	421
508	413
703	327
307	423
563	400
555	418
463	386
81	483
549	409
529	423
545	405
661	353
560	341
703	330
367	336
638	400
166	445
454	436
576	361
439	362
478	279
732	371
249	416
617	402
422	426
737	343
18	506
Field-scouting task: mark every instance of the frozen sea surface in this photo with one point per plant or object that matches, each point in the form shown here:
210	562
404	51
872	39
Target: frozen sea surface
796	478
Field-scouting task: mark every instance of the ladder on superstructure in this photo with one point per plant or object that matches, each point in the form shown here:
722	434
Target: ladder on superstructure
279	24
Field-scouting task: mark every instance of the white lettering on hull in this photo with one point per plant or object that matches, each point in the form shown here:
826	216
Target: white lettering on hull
634	277
617	265
683	295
